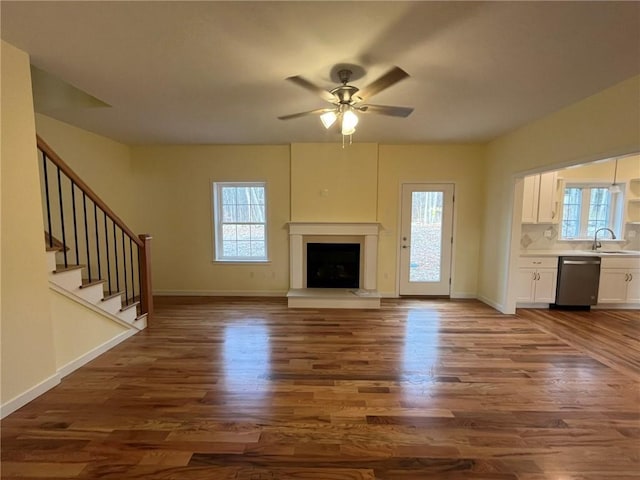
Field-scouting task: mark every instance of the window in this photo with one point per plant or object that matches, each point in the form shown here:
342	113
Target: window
240	221
589	207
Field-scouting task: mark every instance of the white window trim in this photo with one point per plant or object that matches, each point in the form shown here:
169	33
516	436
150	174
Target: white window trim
217	224
616	213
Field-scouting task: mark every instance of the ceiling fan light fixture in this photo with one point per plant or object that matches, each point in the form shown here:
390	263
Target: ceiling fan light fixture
347	99
328	119
349	122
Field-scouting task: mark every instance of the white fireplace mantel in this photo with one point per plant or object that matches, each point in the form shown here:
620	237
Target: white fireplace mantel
322	228
369	232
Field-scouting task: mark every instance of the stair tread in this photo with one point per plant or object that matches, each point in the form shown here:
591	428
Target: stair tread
53	243
130	305
108	296
96	281
61	268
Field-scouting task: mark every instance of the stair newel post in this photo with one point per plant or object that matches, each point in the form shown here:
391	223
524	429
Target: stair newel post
144	259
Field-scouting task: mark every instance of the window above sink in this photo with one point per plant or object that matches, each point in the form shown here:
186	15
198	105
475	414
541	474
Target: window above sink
587	207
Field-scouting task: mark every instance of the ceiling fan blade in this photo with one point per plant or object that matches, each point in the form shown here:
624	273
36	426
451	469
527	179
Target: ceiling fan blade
385	81
306	84
386	110
318	111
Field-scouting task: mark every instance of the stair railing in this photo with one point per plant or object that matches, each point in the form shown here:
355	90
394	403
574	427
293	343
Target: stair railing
87	232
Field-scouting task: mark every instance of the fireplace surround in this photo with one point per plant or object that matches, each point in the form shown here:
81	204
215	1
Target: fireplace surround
301	234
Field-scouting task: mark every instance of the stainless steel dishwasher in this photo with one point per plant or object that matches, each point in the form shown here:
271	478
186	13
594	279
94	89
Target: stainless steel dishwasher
578	279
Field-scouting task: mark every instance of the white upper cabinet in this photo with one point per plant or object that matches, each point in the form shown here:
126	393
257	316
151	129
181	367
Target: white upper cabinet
539	203
530	199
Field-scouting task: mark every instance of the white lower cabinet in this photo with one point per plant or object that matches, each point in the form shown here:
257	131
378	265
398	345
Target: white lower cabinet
537	278
619	281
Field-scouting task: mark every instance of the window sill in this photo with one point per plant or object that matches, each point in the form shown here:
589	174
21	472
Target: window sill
241	262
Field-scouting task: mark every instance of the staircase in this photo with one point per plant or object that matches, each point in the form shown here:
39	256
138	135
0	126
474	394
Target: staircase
92	255
70	279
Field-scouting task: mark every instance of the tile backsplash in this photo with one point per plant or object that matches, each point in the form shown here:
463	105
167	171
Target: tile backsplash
545	237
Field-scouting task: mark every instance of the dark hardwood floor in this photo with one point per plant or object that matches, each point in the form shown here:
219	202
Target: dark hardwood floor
247	389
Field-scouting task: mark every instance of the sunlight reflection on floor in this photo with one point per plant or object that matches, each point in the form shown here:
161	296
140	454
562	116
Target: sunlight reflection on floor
246	356
420	354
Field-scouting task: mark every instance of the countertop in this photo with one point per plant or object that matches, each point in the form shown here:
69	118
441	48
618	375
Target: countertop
578	253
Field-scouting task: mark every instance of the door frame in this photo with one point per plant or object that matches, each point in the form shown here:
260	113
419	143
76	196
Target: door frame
454	228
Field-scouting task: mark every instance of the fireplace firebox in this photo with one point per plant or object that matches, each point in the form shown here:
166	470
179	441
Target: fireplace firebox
333	265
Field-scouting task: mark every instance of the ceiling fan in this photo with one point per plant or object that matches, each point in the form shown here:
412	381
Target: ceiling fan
347	100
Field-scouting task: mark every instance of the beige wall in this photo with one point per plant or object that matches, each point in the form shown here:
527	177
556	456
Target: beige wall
104	164
175	192
78	330
27	338
330	183
602	126
462	165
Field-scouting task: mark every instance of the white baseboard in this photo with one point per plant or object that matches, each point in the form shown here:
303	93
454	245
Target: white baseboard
533	305
221	293
47	384
73	365
464	295
491	303
271	293
31	394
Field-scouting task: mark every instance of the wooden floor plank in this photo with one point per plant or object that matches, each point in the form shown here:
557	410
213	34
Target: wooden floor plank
610	336
247	389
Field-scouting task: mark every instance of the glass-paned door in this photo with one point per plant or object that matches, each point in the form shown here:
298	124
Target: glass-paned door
425	239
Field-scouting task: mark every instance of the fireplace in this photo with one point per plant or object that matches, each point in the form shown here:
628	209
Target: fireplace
356	289
333	265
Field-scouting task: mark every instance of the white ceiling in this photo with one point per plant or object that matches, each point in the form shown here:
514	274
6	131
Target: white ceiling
213	72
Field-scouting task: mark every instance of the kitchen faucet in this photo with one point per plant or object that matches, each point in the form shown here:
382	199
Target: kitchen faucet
596	244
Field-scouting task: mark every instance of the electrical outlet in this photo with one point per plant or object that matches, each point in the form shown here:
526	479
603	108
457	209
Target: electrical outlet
547	233
631	234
